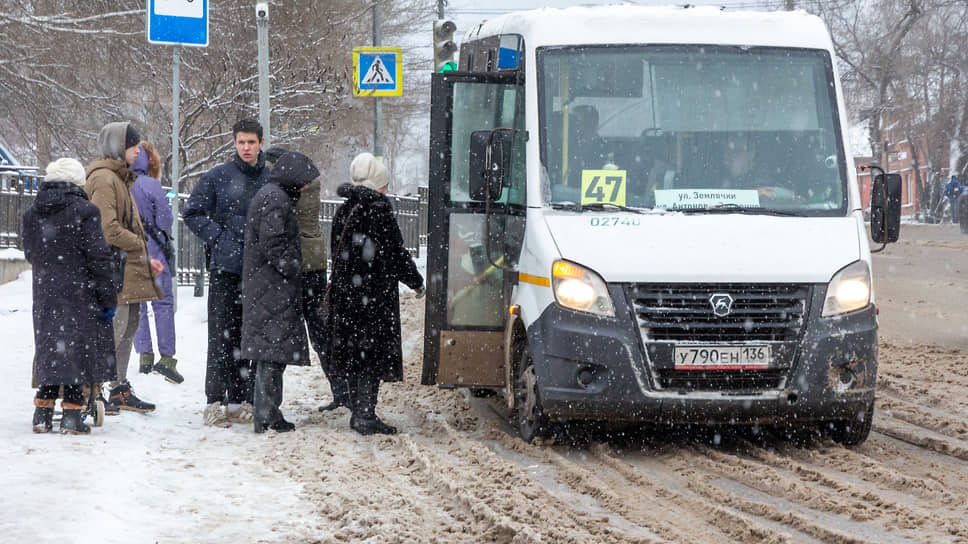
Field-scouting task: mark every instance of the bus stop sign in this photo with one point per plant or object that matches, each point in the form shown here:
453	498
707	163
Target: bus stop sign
181	22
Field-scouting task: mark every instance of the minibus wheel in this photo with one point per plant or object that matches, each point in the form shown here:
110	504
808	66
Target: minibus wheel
852	432
531	421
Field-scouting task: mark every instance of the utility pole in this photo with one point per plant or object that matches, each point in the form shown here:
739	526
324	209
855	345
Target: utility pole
377	107
440	8
262	24
175	127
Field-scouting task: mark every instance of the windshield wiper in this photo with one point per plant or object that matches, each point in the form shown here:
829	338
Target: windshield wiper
597	207
736	208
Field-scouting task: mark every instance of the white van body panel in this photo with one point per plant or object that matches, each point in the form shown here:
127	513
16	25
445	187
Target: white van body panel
718	248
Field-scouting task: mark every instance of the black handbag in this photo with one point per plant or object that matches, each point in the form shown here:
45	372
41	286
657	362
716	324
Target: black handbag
324	306
119	258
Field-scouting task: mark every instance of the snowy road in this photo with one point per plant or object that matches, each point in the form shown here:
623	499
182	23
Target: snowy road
458	473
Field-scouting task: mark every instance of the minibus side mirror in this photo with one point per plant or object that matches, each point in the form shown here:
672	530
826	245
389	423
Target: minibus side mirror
886	208
490	159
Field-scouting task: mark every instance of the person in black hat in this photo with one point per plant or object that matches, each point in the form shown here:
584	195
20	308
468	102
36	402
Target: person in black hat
273	333
108	186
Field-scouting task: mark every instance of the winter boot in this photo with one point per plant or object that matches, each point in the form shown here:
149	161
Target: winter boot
43	415
71	420
147	362
364	419
166	367
341	394
124	397
280	426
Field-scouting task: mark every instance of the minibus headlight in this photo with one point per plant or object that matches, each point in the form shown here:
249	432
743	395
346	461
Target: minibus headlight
848	290
578	288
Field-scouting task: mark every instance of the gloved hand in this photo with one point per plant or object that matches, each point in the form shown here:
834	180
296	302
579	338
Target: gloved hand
419	292
108	313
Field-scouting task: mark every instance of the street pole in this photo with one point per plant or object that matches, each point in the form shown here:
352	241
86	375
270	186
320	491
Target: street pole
377	107
440	9
262	23
175	127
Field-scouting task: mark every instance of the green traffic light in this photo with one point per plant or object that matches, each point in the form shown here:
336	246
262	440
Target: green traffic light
449	66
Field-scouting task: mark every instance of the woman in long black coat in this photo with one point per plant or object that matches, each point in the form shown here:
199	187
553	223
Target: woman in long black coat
273	330
369	259
73	296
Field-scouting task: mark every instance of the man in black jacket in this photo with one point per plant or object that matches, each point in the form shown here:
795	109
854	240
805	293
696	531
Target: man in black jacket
274	333
216	213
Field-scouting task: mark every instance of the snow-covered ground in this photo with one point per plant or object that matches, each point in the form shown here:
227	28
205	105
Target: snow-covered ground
158	477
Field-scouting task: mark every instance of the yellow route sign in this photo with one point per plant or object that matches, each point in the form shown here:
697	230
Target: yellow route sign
603	187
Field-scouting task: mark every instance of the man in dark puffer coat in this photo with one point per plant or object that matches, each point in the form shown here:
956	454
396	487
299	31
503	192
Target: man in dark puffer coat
364	297
73	296
273	330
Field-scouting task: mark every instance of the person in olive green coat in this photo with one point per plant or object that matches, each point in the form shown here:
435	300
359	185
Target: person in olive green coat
108	186
313	246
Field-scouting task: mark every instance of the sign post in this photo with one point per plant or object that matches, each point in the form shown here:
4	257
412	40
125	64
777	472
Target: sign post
177	22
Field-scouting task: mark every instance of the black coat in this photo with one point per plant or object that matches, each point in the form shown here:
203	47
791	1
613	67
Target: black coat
364	298
71	263
272	321
216	209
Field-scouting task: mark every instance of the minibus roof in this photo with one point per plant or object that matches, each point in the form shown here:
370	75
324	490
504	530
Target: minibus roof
659	25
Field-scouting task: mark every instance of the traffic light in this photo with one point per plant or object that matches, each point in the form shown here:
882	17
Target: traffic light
444	46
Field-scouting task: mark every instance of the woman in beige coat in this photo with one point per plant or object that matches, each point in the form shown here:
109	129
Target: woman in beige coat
108	186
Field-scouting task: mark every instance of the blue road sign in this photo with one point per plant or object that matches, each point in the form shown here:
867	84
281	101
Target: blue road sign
183	22
378	71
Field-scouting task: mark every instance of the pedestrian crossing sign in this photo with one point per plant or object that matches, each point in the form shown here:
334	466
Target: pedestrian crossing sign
377	71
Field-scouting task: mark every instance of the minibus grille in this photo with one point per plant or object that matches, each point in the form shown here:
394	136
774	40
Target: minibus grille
720	380
685	312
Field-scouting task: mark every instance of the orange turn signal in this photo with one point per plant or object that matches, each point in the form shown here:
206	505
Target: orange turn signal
562	269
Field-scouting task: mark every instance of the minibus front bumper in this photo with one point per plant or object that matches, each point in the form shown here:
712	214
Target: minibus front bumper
595	368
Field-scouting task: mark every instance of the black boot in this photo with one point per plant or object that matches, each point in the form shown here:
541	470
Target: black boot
43	419
364	419
341	394
71	422
124	397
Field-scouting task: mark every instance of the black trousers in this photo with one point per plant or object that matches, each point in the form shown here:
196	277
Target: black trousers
268	392
73	394
363	392
313	291
228	377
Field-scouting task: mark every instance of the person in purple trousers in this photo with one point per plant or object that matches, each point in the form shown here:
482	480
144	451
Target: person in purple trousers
157	220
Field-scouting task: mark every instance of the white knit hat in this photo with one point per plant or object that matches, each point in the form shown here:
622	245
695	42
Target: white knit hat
66	169
365	170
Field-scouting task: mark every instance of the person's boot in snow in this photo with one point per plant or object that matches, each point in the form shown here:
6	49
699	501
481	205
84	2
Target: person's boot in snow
364	419
147	362
110	408
71	420
166	367
214	416
239	413
280	426
124	397
341	394
43	415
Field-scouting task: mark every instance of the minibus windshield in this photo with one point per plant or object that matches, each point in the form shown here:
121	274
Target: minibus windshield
691	128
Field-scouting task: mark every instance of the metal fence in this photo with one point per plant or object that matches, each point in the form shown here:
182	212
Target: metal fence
17	194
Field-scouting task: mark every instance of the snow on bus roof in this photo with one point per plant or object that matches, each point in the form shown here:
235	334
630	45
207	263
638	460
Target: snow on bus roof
626	24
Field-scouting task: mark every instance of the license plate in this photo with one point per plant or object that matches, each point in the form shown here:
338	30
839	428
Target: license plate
722	357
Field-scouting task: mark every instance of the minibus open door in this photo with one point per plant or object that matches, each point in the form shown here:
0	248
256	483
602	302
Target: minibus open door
473	241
